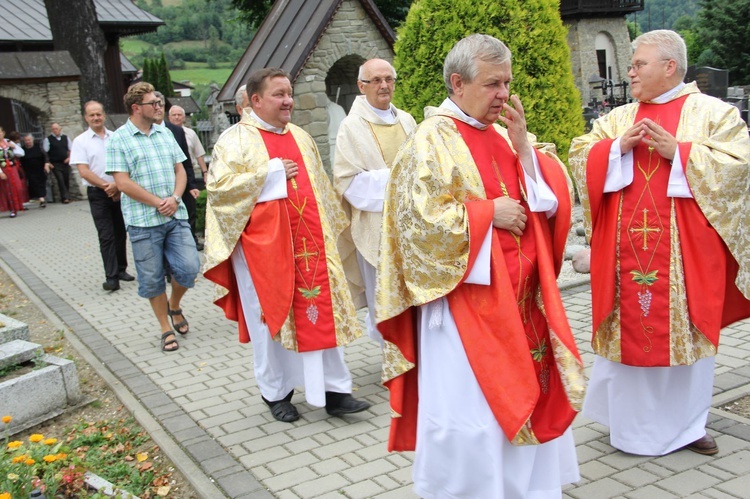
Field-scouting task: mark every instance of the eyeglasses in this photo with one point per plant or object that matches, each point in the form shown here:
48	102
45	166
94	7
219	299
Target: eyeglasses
377	81
156	104
638	65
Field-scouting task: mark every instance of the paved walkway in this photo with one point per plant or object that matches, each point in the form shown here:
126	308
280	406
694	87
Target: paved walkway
202	406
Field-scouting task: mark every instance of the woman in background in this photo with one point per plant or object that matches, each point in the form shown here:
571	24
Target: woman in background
11	187
34	166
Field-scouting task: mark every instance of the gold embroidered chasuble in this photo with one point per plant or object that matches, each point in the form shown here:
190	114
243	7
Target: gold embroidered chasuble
236	177
718	174
425	247
366	143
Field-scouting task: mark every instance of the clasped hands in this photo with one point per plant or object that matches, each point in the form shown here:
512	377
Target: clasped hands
651	134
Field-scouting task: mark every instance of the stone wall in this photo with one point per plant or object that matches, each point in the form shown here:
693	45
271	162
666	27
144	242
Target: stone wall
53	102
351	36
582	42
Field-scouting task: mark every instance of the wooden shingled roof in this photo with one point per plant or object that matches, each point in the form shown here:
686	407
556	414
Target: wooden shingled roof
289	34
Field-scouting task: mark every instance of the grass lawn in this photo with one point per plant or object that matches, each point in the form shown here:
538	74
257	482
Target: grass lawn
131	46
202	76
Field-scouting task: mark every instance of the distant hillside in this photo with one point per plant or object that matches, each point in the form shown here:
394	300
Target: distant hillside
661	14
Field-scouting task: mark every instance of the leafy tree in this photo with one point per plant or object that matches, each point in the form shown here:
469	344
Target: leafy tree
532	29
723	33
634	31
252	12
662	14
165	80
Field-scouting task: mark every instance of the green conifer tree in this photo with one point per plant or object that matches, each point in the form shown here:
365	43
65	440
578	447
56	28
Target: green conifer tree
148	71
534	32
164	78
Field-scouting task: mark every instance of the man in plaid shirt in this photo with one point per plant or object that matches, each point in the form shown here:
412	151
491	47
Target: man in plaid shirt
146	163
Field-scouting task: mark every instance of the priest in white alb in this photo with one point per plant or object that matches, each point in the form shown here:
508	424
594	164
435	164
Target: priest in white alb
664	186
272	227
480	362
367	142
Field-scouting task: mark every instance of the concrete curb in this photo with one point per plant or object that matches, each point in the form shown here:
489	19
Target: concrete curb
54	308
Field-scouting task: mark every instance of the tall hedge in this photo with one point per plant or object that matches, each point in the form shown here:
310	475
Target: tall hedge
534	32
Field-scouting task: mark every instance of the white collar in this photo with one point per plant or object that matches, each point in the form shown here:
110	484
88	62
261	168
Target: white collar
668	95
265	125
452	106
387	115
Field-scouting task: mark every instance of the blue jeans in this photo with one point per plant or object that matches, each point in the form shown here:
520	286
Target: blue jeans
172	242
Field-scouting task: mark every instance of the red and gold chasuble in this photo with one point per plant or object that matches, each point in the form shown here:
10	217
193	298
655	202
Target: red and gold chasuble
515	280
643	230
311	301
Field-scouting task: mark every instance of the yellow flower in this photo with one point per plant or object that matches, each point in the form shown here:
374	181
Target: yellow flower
60	457
30	462
49	458
14	444
36	437
5	495
18	459
50	441
6	420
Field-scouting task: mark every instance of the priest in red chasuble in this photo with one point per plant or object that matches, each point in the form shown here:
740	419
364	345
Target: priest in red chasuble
482	368
272	226
664	186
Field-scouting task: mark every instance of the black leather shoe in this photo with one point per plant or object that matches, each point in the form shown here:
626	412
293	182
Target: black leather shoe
283	410
199	246
338	404
111	285
124	276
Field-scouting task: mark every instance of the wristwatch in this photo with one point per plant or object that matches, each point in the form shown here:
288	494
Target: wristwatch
177	199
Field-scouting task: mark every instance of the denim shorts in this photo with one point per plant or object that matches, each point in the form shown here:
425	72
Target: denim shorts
172	242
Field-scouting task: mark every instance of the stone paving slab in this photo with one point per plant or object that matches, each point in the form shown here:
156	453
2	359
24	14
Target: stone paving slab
204	400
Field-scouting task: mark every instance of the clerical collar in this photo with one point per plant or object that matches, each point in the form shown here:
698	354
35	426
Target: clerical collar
387	115
668	95
452	106
265	125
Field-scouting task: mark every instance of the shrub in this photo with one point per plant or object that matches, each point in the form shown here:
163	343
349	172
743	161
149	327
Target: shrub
532	29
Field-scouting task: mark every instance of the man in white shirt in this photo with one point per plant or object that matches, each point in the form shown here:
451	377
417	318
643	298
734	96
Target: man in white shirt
197	152
89	155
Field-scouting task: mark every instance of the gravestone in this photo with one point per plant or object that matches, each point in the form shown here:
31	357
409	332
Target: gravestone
710	81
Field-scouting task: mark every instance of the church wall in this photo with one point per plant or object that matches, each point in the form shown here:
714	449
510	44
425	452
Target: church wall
351	32
582	42
55	102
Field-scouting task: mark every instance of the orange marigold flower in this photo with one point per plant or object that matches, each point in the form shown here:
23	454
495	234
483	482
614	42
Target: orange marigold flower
30	462
50	441
18	459
62	456
6	420
5	495
49	458
36	437
15	444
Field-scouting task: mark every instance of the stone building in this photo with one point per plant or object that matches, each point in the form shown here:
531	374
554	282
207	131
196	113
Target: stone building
40	86
599	46
321	44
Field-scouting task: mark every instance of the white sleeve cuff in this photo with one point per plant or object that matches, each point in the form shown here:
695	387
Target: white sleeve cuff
480	271
619	169
539	195
367	190
275	185
678	185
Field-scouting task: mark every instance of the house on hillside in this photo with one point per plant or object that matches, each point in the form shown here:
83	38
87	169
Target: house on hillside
39	85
